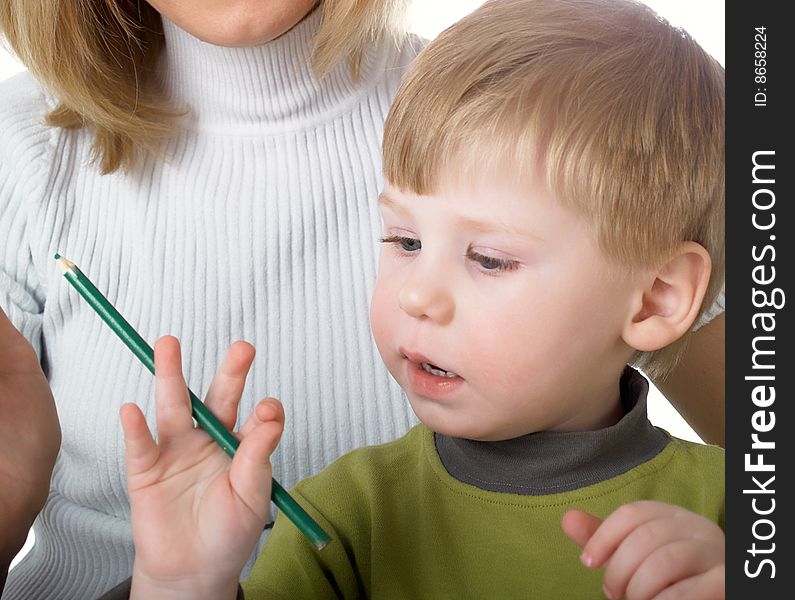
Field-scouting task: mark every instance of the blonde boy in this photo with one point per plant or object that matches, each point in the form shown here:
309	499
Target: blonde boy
554	188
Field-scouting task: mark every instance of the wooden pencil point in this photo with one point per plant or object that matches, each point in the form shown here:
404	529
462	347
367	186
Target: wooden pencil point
64	264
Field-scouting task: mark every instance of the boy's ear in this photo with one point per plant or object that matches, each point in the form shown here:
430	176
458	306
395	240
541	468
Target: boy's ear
666	308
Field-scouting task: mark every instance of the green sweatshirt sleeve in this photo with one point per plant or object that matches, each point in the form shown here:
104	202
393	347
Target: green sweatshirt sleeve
291	567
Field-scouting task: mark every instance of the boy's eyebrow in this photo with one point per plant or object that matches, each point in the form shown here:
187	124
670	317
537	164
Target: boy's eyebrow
387	201
497	226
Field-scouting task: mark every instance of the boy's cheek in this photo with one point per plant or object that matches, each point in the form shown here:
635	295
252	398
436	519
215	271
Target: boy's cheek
380	312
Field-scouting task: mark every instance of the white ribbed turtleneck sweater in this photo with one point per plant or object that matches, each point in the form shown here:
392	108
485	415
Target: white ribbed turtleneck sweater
261	225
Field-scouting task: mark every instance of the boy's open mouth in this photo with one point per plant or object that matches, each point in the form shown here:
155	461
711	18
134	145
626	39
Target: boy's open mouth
434	370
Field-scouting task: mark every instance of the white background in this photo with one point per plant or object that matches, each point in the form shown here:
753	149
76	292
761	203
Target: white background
703	19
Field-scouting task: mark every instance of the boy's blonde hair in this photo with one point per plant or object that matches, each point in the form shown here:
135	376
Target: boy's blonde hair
624	113
97	58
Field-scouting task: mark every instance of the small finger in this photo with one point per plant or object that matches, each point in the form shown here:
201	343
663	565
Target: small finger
580	526
140	450
705	586
617	526
269	409
171	392
667	565
636	548
251	472
227	386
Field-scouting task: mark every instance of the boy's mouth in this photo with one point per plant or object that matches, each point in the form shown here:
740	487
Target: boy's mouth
426	365
434	370
427	379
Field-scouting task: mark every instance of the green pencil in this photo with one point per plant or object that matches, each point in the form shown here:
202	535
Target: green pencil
201	413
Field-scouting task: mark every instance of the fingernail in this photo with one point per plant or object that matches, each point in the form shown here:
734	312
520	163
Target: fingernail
269	409
586	559
607	592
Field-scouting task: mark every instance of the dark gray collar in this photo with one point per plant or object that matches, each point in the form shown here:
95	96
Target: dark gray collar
551	462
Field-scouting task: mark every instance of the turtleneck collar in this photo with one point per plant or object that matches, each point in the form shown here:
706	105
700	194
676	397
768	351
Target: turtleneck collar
552	462
270	87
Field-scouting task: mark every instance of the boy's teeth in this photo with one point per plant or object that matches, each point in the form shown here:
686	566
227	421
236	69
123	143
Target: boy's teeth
438	372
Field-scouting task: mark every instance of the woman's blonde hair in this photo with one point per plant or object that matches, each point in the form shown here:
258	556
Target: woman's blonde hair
97	58
624	113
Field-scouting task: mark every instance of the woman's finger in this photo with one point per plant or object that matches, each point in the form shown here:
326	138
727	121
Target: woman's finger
140	450
171	393
227	386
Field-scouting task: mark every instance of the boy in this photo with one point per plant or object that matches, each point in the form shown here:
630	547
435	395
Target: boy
554	188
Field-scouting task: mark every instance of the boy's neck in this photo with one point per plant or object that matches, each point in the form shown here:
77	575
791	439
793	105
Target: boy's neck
601	402
551	462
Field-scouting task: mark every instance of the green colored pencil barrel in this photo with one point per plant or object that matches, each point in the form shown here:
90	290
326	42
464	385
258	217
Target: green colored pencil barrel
133	340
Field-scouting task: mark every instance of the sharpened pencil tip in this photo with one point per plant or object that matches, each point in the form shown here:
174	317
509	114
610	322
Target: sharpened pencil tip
64	264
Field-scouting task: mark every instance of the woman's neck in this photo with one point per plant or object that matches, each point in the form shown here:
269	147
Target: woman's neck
271	87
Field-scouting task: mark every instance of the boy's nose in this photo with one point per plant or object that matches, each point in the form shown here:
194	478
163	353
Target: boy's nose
426	294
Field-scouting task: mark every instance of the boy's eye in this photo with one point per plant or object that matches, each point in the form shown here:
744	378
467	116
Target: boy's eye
491	263
406	244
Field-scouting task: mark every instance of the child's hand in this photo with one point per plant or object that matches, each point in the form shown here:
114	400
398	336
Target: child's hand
196	517
652	550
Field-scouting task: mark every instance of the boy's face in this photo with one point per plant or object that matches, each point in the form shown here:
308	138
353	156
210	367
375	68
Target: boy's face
497	313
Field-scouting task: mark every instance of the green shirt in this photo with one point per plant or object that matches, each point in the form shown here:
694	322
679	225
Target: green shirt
403	527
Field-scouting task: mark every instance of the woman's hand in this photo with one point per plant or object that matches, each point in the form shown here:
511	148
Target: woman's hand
196	515
652	550
30	438
696	386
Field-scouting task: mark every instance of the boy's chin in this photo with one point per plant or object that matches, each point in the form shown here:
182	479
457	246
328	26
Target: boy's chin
466	429
473	434
445	421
